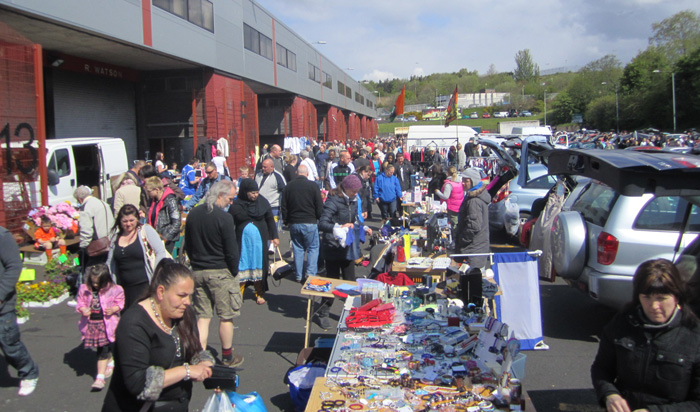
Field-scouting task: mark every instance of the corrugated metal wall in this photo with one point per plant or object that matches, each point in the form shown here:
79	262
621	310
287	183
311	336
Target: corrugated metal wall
90	106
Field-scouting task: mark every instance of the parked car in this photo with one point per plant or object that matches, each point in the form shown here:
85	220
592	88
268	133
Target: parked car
526	113
411	119
485	115
474	115
631	210
500	114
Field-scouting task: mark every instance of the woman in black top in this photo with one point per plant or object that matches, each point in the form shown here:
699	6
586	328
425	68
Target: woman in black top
290	170
133	254
157	349
251	208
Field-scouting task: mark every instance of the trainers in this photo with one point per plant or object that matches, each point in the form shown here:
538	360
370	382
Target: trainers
72	303
234	362
27	386
98	385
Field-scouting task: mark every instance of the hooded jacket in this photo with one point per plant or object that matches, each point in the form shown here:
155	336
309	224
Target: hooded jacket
386	188
473	226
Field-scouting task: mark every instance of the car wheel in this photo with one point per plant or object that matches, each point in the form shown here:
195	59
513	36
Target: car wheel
568	240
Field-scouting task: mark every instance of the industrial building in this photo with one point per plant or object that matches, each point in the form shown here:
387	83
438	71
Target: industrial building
169	75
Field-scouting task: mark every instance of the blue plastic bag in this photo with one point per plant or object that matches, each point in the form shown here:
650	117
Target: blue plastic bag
251	402
301	380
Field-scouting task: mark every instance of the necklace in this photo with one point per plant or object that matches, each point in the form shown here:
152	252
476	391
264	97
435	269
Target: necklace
172	331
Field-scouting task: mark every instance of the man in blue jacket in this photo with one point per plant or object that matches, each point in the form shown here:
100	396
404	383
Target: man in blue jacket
387	189
213	176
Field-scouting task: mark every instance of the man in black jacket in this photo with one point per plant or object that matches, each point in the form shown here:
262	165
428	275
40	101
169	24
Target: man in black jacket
301	207
16	354
210	241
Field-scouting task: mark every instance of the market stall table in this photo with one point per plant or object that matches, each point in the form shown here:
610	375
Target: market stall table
316	403
311	293
416	273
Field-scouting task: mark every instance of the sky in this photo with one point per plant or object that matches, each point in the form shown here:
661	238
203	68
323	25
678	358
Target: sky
386	39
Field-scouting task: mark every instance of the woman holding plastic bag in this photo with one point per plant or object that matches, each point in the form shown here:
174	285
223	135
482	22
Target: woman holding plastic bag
342	226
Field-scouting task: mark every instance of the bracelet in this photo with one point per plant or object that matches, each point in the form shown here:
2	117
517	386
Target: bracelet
187	371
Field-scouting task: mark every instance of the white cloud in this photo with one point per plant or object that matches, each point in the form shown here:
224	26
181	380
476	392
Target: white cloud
377	75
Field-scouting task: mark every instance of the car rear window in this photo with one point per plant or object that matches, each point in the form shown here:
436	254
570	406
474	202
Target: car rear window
595	203
666	213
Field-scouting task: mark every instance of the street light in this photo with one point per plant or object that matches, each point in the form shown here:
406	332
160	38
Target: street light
379	96
673	94
617	108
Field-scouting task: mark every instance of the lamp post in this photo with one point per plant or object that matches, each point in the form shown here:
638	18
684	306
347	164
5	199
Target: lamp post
545	102
379	96
673	94
617	108
545	107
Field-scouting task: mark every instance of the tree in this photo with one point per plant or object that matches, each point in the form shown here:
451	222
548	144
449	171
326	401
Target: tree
643	98
688	89
677	35
525	69
492	70
563	109
601	113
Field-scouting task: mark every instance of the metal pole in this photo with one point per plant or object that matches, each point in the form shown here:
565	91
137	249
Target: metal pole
545	107
617	111
673	92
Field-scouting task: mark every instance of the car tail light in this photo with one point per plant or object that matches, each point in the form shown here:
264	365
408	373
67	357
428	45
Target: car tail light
607	248
689	162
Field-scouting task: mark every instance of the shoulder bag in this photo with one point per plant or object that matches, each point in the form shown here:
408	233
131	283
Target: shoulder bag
99	246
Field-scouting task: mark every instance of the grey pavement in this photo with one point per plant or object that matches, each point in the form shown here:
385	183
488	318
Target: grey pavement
270	336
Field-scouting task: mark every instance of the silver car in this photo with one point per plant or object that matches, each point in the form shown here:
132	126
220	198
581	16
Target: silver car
637	206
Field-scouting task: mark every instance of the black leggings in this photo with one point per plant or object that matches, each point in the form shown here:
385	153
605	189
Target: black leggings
104	352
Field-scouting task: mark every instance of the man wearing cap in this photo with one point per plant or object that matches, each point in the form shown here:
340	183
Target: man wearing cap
472	234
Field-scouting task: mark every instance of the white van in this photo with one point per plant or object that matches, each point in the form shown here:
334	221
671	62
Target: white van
438	136
532	130
77	161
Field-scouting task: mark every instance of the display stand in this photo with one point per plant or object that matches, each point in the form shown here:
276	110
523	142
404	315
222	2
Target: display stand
311	293
518	305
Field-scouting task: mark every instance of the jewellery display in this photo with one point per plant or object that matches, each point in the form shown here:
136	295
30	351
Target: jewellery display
419	361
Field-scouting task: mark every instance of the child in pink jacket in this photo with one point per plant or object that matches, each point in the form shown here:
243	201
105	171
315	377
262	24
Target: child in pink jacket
99	301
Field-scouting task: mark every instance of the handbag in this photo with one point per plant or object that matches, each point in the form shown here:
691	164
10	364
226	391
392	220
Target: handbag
279	268
150	253
222	377
100	246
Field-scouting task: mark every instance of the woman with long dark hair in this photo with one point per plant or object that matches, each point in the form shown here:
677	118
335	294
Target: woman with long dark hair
649	354
255	227
135	251
157	351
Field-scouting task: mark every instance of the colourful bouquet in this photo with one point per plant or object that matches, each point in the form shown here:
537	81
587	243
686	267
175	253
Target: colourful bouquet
62	215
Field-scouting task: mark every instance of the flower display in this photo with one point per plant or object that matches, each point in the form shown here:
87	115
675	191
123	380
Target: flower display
62	215
40	292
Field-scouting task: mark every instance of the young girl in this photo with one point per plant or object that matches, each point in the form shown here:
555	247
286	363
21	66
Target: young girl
99	301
